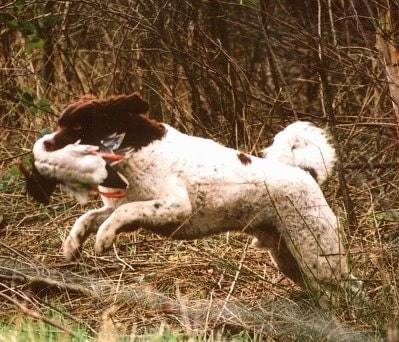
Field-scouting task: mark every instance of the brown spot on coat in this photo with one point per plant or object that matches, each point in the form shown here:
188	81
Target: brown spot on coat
244	158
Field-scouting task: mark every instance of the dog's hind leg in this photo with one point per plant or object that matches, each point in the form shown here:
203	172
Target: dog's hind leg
84	226
274	243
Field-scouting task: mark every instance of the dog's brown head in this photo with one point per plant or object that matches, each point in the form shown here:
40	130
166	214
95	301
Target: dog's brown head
90	120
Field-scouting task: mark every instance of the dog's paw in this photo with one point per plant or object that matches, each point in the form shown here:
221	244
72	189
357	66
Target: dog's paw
104	242
71	248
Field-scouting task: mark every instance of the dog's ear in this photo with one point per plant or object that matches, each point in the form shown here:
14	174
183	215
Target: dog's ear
113	107
91	120
129	104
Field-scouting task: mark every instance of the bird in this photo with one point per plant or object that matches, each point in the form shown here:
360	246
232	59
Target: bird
80	169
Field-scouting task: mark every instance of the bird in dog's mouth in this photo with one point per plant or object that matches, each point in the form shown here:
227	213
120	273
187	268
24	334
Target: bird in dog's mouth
80	169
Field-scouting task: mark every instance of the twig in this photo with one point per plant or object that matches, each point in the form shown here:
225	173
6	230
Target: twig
38	283
361	166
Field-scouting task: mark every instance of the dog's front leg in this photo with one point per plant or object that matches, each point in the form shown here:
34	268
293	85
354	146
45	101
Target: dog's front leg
84	226
131	216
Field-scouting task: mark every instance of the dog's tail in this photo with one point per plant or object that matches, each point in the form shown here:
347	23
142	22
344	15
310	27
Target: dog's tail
306	146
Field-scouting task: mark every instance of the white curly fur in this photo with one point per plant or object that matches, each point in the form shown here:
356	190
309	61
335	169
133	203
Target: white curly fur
306	146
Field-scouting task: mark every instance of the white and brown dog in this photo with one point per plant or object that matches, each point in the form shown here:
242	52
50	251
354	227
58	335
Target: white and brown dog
186	187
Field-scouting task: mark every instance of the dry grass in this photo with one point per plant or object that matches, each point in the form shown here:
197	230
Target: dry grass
213	287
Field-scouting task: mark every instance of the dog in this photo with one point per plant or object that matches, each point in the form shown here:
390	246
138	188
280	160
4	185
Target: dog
187	187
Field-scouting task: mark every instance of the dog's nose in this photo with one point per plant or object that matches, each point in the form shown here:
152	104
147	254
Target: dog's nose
48	144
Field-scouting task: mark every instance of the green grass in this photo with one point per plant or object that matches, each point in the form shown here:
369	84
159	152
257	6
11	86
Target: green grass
22	329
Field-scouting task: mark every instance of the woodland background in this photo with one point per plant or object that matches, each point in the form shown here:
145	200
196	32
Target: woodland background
234	71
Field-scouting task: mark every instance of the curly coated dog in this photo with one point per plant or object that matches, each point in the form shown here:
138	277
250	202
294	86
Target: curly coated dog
186	187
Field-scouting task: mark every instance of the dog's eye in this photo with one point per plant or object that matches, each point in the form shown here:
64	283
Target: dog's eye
77	127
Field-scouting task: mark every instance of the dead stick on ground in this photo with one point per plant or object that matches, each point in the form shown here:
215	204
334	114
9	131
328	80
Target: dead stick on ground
41	283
